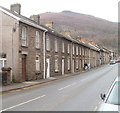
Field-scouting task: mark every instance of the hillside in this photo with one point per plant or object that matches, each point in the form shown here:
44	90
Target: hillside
102	31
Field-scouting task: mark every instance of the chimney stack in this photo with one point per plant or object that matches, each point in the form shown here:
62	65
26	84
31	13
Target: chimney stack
16	8
66	33
49	24
35	18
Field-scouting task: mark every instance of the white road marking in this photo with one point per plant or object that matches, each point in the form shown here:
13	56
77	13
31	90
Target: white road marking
23	103
84	79
67	86
95	108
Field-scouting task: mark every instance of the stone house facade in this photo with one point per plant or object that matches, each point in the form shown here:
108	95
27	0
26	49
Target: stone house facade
39	52
22	42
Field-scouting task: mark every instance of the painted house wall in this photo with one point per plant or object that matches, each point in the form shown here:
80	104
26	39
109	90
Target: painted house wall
8	23
0	32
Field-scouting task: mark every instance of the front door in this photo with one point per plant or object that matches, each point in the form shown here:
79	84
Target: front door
48	67
23	67
73	63
63	66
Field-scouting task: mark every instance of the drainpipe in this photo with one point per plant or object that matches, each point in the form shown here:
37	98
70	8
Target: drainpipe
13	31
71	57
89	55
44	55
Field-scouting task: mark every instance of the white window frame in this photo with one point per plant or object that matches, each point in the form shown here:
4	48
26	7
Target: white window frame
24	41
77	64
68	63
56	45
3	60
37	40
83	51
80	50
73	48
76	50
47	43
80	63
37	60
56	65
68	48
63	47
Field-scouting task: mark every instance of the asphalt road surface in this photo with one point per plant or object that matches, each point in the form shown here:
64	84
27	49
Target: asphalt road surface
76	93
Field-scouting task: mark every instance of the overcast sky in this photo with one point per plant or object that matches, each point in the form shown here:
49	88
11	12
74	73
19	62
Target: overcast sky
105	9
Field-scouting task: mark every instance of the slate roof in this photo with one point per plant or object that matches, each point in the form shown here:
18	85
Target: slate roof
28	21
52	31
21	18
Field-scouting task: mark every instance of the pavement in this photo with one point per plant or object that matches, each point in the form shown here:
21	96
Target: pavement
15	86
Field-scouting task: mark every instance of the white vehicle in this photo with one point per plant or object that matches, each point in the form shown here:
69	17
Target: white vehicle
111	101
112	61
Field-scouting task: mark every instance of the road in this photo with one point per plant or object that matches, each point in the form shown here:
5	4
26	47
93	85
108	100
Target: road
76	93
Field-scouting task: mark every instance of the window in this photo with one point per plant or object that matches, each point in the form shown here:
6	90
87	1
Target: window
85	52
56	64
76	63
73	49
63	47
24	36
37	40
80	50
56	45
76	50
68	48
68	63
80	63
3	63
47	43
37	63
114	97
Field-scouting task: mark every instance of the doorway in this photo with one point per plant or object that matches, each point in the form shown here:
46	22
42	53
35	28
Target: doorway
73	63
48	67
24	67
63	66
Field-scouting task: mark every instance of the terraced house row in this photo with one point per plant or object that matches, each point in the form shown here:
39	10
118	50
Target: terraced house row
35	52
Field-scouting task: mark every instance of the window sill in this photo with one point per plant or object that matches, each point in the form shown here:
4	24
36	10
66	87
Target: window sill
38	72
48	50
37	48
56	71
24	46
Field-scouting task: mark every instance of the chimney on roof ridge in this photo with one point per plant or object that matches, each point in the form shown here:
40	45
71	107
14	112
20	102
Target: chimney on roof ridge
49	24
66	33
35	18
16	8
